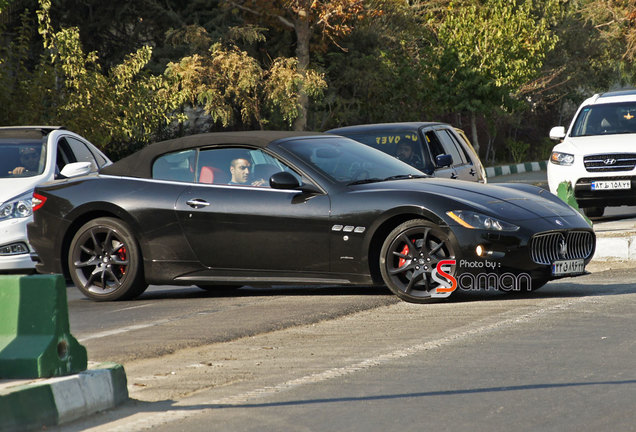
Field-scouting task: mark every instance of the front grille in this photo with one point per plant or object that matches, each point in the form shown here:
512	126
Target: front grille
610	162
549	247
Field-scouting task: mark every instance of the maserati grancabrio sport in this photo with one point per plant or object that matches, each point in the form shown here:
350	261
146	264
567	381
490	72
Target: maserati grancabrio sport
261	208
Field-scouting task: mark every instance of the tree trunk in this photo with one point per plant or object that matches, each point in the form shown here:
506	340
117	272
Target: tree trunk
303	34
473	130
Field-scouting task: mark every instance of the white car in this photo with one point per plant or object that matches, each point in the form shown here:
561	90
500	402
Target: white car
597	155
29	156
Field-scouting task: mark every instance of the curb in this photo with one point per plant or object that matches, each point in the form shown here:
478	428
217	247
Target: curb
516	168
615	241
36	404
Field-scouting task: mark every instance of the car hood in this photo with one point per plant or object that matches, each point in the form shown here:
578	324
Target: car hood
494	199
13	187
600	144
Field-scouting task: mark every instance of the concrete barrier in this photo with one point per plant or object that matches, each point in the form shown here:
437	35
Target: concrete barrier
46	402
35	340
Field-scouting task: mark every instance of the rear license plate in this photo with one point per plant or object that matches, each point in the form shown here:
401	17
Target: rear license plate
611	184
568	267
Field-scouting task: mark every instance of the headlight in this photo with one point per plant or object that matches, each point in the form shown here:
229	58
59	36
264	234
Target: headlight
559	158
473	220
18	208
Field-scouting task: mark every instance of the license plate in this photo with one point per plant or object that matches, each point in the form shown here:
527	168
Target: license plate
611	184
568	267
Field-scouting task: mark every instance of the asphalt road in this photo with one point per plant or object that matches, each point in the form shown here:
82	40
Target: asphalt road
558	359
357	359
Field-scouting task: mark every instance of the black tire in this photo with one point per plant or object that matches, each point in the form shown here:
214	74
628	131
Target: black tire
538	284
409	255
104	261
593	211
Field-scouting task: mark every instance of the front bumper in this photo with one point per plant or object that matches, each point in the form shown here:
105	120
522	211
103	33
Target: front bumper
15	250
581	180
509	255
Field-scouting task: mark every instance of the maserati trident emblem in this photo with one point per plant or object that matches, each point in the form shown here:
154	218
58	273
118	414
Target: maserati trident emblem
609	161
563	248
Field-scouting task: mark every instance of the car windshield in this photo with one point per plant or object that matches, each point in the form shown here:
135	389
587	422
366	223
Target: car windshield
606	119
405	145
22	157
346	161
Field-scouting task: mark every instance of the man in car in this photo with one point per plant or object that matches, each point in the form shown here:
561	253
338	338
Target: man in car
240	171
406	153
29	161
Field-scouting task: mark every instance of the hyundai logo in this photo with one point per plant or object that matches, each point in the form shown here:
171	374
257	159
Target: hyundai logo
609	161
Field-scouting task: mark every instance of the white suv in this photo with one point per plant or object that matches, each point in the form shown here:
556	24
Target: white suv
29	156
597	155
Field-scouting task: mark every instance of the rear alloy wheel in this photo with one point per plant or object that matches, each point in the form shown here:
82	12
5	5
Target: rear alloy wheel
408	257
104	261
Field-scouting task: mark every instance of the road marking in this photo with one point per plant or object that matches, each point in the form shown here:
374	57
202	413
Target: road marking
145	421
122	330
132	307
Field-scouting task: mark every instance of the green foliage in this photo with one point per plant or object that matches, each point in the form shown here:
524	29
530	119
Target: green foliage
488	50
225	81
516	67
283	85
232	86
68	87
518	150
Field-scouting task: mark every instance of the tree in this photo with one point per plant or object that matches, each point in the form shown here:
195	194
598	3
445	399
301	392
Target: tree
67	86
383	73
331	19
232	86
488	50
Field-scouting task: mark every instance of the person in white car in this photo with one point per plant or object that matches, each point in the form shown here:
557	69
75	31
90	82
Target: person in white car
29	161
29	156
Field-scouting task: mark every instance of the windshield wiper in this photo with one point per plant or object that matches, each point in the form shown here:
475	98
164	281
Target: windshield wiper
395	177
364	181
405	176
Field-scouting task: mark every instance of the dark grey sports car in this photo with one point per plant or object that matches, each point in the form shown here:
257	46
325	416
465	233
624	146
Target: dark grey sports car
231	209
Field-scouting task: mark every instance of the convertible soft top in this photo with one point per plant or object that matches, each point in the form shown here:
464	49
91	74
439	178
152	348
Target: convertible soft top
139	164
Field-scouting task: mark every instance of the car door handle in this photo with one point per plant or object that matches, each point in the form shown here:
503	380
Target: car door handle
197	203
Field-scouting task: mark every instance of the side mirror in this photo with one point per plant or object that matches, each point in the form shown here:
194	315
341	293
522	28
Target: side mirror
557	133
284	180
443	160
76	169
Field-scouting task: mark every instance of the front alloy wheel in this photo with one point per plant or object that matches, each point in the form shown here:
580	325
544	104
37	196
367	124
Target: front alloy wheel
410	255
104	261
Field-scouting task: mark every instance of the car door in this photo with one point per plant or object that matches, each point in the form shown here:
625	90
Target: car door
436	148
251	226
464	168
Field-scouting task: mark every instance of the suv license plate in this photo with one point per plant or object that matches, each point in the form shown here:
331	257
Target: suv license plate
568	267
611	184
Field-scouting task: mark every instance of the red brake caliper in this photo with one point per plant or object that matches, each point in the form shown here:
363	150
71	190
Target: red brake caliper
121	253
405	251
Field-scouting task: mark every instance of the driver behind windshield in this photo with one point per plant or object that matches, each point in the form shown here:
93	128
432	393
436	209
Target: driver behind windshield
29	161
